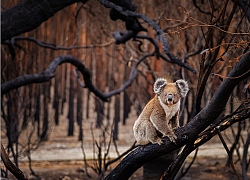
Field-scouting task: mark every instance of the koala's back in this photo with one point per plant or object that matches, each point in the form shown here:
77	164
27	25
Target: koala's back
153	107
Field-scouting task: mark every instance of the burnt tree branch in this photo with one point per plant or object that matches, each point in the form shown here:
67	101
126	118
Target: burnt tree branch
53	46
190	131
50	73
244	161
120	37
132	76
28	15
10	166
240	114
153	24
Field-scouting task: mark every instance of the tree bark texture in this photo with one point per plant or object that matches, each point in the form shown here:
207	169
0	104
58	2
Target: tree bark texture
28	15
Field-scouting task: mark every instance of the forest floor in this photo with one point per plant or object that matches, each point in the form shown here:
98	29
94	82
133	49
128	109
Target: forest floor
202	169
62	157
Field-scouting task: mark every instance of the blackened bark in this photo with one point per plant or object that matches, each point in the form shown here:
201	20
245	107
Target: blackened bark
156	167
71	106
63	86
117	117
87	105
37	110
99	107
126	107
56	102
45	126
28	15
245	6
79	109
10	166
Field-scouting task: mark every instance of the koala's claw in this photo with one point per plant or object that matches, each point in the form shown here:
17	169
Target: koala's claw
172	137
176	127
159	141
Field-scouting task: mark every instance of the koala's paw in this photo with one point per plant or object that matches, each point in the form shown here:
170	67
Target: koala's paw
158	141
172	137
177	127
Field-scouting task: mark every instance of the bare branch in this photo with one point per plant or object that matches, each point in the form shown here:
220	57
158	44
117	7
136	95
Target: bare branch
28	15
50	73
244	162
54	47
153	24
244	5
10	166
228	153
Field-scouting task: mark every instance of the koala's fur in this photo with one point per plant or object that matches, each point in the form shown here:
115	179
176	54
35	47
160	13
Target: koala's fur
159	117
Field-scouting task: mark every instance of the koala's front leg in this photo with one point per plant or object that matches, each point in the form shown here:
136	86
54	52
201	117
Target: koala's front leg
175	121
161	124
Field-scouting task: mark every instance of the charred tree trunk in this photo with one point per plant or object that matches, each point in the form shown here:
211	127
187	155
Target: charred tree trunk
155	168
71	105
99	107
63	87
79	109
117	117
46	99
37	110
126	107
87	104
56	102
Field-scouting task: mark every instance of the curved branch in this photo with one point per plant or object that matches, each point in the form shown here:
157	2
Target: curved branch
10	166
153	24
54	47
159	54
50	73
189	132
132	76
28	15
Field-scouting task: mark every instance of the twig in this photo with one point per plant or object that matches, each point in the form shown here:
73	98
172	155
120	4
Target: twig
244	159
85	160
153	24
119	157
191	163
54	47
229	155
10	166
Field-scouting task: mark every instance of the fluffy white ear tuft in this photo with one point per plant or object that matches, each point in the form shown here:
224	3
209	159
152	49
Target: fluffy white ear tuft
159	85
182	86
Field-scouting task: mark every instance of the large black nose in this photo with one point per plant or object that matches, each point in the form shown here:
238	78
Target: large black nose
170	97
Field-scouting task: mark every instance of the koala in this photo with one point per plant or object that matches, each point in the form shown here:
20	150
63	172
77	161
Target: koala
159	117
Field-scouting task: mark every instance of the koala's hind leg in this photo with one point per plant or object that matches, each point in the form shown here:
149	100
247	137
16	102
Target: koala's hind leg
145	133
152	135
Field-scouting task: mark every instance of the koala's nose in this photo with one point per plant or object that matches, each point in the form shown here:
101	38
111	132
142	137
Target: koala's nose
170	97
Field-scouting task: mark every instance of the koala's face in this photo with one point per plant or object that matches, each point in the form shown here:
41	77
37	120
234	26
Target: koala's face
170	93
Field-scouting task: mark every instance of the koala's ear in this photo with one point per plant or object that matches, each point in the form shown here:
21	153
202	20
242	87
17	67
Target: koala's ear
159	85
182	86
